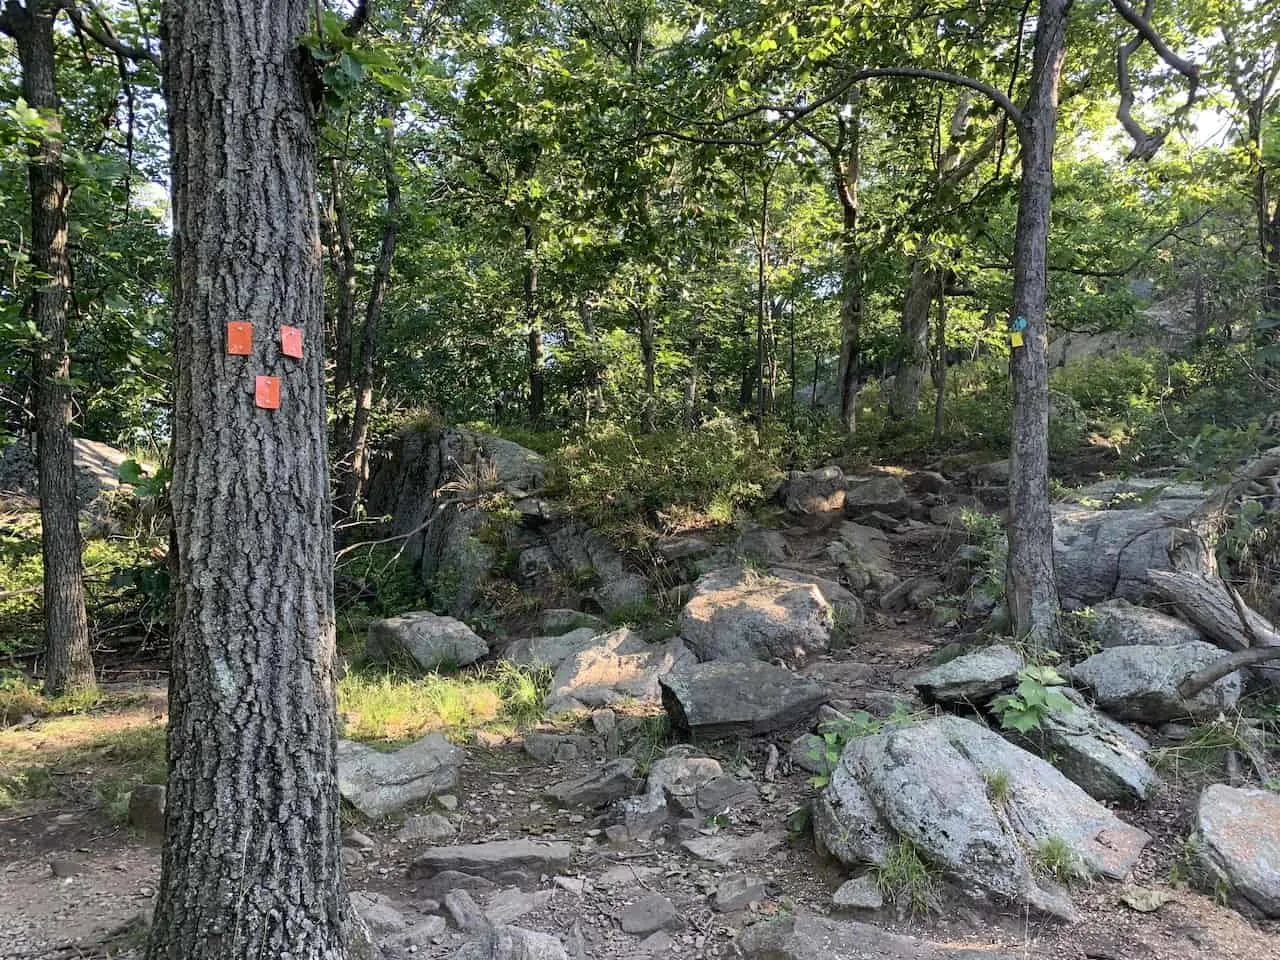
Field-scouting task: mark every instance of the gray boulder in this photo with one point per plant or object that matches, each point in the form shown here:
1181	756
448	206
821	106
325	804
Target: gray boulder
809	937
1118	623
929	783
146	809
671	778
513	943
817	491
1141	683
493	859
427	640
725	698
860	893
1237	844
606	783
378	784
1101	554
972	678
738	892
1106	759
736	614
550	651
865	495
654	912
616	666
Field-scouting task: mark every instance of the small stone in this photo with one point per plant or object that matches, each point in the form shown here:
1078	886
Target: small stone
359	840
146	810
652	913
447	801
656	944
604	721
63	868
860	893
617	833
574	885
511	904
432	827
465	912
737	893
378	913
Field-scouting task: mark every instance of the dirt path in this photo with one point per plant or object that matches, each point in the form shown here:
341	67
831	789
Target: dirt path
68	878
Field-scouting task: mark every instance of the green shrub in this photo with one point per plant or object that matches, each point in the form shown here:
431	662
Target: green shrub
610	475
1122	386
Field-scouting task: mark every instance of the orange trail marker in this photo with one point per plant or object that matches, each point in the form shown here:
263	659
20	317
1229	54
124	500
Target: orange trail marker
267	393
239	338
291	341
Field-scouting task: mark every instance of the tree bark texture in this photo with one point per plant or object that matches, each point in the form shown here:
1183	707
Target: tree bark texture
938	369
69	659
649	358
926	285
1031	584
252	859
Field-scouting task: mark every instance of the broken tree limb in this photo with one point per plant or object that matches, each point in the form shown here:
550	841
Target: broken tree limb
1229	664
1209	604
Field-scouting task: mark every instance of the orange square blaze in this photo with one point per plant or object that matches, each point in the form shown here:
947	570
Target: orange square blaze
267	393
239	338
291	341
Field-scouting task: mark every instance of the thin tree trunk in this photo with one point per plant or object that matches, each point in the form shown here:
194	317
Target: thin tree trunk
940	363
1031	580
69	660
357	458
533	326
762	302
926	281
649	357
847	170
345	267
252	861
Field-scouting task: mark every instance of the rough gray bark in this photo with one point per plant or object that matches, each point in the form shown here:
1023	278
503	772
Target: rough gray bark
926	285
252	864
1031	585
69	660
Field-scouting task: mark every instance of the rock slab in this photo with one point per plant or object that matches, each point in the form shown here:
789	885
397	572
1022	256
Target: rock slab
738	614
429	641
971	678
378	784
491	860
724	698
1141	683
1238	843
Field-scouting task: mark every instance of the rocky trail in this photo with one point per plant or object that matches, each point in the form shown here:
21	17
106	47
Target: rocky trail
809	767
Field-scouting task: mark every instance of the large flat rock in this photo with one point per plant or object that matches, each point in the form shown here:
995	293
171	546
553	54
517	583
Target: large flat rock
738	614
1141	683
491	860
808	937
378	784
727	698
1238	844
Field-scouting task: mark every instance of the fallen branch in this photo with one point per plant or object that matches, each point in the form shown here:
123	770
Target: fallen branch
1229	664
1215	608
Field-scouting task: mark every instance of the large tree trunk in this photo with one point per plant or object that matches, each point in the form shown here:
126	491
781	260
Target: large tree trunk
357	459
252	860
69	660
926	282
1031	582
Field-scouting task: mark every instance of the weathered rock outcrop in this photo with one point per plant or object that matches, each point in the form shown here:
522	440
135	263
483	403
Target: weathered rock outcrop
1141	683
616	666
808	937
1101	554
971	678
427	640
737	614
931	783
1118	623
815	491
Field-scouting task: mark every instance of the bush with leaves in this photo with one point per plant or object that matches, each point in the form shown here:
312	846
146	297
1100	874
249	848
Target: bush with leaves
1035	698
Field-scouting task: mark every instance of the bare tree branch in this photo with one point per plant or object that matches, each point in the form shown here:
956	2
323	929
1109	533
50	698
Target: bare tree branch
1142	23
1249	657
102	33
